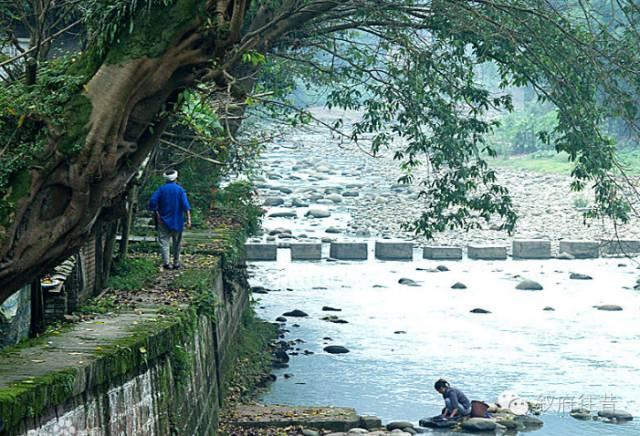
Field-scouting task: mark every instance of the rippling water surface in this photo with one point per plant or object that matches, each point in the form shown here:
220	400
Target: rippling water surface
575	355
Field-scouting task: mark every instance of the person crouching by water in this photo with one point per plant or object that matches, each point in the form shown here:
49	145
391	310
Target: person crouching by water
456	404
170	204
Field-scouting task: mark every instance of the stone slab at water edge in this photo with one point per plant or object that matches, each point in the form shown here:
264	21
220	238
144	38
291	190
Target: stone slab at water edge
306	251
349	250
531	249
442	253
620	247
487	252
266	252
276	416
580	249
388	250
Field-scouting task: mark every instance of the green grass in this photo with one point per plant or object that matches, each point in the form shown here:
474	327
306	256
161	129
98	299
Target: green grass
539	163
132	274
559	163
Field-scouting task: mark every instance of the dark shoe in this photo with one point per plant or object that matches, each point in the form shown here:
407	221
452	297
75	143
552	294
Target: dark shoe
167	266
177	266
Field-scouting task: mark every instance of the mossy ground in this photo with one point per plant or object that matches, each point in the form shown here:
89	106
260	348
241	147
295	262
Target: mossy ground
125	341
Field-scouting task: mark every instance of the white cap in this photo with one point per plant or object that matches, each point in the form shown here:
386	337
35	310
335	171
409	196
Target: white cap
170	175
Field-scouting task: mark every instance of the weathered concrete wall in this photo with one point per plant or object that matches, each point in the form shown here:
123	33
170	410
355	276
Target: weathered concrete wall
15	317
167	381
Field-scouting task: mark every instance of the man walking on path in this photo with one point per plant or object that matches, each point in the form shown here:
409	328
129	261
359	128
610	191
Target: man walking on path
169	204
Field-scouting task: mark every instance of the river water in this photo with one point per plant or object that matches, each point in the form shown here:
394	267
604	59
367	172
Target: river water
402	338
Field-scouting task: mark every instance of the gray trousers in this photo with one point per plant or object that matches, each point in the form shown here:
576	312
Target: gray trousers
169	240
461	410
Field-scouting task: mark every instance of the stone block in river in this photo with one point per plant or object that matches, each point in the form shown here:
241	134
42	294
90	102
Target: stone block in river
349	250
306	251
261	251
442	253
531	249
388	250
487	252
620	247
580	249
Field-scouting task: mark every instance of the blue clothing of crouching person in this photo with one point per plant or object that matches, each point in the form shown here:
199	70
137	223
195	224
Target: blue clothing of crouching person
456	403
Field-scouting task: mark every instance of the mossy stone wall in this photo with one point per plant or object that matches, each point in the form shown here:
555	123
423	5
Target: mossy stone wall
165	381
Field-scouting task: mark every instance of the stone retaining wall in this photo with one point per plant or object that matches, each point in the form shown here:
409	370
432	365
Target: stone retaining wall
165	380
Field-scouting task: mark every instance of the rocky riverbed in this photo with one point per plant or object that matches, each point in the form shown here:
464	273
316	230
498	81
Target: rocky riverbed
374	335
309	174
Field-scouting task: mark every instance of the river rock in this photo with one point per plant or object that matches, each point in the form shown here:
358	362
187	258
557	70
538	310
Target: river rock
529	285
358	430
259	290
580	413
442	268
296	202
318	212
281	319
278	230
565	256
283	213
478	424
549	309
609	307
615	415
479	310
529	422
273	201
336	198
336	349
295	313
458	285
331	309
309	432
333	230
399	425
334	319
408	282
280	356
577	276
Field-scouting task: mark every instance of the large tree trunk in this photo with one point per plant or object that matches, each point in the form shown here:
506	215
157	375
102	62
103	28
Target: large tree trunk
129	101
64	203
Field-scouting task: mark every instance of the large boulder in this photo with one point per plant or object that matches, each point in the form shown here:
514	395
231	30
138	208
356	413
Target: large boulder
609	307
529	422
479	310
615	415
336	349
479	424
407	282
529	285
581	414
578	276
295	313
318	212
401	425
283	213
273	201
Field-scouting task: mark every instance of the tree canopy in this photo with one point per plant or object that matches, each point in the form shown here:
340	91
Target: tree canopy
75	124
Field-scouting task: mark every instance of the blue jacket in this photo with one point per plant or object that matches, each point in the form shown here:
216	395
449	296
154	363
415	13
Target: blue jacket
170	201
457	398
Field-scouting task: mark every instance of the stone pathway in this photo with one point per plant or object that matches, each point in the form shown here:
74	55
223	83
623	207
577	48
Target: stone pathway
77	348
